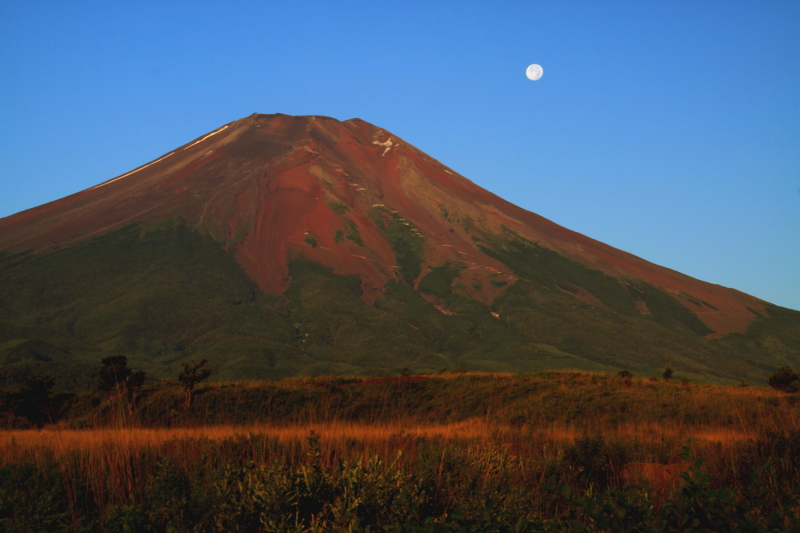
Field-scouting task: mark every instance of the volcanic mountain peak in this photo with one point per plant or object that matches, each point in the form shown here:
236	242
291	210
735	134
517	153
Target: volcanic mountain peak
348	195
354	231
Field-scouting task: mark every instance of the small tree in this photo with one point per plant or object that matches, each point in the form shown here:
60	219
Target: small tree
785	379
192	374
668	373
133	385
113	373
626	375
35	399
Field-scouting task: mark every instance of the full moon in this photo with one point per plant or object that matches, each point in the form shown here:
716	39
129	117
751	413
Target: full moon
534	72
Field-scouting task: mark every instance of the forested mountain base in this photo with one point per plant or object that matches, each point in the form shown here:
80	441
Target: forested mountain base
167	293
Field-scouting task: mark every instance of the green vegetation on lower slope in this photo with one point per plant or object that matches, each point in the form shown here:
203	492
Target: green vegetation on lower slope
548	268
781	324
404	239
439	281
160	295
770	342
21	359
166	294
339	333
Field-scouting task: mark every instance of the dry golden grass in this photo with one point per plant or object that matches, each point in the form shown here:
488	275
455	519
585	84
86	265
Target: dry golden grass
659	421
57	442
734	415
115	461
458	433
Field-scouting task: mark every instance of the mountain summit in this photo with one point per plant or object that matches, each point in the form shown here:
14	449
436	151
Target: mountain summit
280	245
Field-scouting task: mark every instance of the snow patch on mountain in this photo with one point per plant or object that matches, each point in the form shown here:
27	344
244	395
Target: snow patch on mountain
132	171
207	136
387	145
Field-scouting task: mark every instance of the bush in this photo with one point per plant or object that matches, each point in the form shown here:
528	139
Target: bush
598	464
34	400
113	372
785	379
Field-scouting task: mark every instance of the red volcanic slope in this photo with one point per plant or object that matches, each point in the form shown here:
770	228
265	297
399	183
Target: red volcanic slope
266	182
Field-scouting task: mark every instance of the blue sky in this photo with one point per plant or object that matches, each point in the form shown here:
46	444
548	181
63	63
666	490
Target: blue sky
670	130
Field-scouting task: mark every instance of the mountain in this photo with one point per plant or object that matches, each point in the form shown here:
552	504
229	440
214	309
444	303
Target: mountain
278	245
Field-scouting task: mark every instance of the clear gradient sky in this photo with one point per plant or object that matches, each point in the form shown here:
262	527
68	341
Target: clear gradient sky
670	130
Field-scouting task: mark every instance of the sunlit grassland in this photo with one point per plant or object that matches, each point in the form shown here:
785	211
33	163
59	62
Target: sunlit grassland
447	442
532	416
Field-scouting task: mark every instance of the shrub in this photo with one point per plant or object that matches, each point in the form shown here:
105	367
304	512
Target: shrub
785	379
35	399
597	463
113	372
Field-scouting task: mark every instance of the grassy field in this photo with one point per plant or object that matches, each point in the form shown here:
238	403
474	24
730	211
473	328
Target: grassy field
494	452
